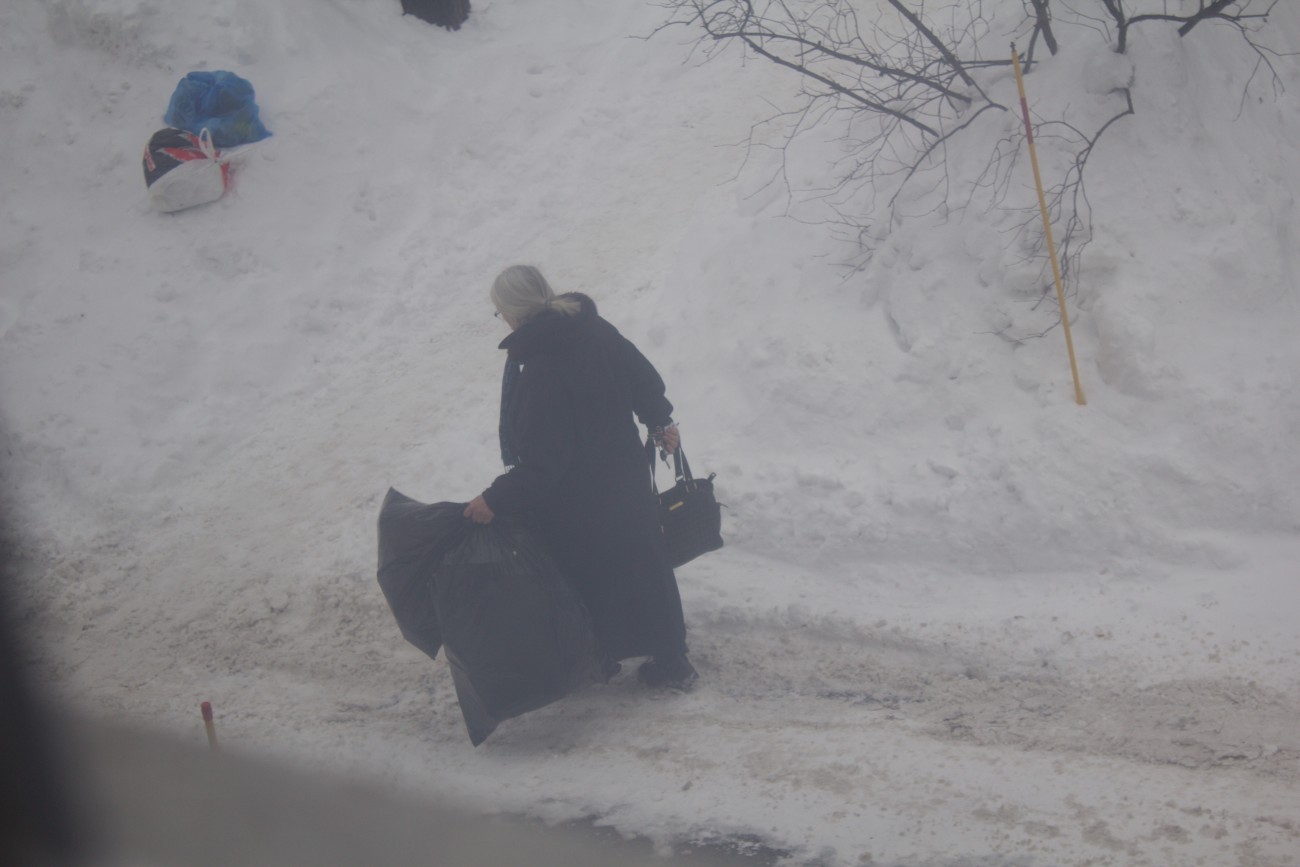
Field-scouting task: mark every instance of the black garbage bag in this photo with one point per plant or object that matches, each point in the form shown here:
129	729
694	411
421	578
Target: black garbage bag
445	13
414	538
516	634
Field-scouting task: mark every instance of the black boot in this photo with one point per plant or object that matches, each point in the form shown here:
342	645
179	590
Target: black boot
672	671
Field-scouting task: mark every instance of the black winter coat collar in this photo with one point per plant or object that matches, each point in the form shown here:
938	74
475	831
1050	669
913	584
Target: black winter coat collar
550	331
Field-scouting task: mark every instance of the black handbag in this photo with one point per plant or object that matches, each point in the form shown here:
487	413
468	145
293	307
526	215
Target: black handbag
688	512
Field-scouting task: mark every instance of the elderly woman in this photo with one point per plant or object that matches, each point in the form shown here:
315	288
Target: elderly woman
576	467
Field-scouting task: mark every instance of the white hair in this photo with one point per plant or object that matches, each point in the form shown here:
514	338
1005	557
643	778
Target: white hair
520	292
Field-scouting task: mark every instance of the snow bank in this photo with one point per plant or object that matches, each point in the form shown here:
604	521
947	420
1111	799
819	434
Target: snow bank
958	616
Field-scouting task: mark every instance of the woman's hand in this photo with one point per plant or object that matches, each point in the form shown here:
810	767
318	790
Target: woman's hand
669	439
478	511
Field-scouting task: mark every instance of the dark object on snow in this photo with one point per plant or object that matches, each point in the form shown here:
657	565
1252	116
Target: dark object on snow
414	538
516	634
445	13
571	388
220	102
688	512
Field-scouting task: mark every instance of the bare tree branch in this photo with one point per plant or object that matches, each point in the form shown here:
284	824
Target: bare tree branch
849	93
935	41
902	90
1214	10
1234	11
1043	25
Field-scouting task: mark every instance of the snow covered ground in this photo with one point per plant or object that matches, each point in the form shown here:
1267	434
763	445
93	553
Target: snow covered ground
959	619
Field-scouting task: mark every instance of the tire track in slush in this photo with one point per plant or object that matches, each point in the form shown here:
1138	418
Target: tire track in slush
960	696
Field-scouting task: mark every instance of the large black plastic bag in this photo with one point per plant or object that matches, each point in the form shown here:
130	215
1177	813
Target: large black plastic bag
414	538
445	13
516	634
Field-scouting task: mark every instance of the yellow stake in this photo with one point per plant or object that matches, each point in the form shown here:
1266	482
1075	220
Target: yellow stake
1047	227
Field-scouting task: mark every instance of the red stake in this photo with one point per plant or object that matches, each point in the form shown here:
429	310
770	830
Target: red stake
206	708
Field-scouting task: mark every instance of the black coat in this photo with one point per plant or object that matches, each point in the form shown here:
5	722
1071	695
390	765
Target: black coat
581	473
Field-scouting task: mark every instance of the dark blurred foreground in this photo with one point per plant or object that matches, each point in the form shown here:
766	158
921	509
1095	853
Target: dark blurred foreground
80	792
148	800
122	797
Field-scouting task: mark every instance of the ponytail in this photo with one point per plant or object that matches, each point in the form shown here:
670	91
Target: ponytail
520	292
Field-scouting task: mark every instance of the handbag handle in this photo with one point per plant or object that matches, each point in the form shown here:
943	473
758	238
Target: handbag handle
681	466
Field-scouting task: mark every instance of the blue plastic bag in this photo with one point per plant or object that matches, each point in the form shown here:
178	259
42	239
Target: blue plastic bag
220	102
